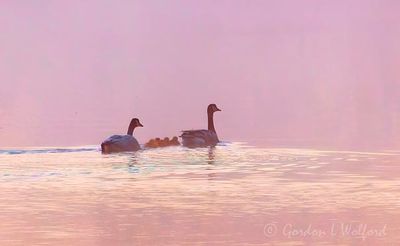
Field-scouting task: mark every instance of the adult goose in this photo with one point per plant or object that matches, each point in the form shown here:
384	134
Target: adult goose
202	138
121	143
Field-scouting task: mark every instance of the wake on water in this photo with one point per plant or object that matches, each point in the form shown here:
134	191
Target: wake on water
47	150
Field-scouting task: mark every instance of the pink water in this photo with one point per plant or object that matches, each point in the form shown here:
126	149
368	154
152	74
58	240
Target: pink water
233	194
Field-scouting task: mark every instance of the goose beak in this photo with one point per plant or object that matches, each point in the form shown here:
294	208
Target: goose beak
218	109
140	124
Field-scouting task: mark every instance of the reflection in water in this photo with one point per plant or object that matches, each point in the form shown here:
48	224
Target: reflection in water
222	195
211	162
211	155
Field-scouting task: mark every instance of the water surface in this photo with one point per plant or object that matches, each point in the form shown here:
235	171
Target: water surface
232	194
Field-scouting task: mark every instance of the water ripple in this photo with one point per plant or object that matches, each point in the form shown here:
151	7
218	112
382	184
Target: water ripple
177	195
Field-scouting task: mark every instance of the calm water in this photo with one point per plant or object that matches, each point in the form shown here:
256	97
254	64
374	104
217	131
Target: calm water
231	194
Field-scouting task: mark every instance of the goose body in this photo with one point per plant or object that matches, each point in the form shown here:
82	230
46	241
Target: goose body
202	138
199	138
122	143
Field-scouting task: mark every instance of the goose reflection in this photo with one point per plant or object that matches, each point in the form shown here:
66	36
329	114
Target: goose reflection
211	162
211	155
133	164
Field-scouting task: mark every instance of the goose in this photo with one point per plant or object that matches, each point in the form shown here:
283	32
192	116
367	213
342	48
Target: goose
151	144
164	142
202	138
120	143
157	142
174	141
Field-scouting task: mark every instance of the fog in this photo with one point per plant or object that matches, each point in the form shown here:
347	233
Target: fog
310	73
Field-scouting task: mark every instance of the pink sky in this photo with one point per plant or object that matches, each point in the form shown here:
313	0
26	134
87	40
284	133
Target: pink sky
313	73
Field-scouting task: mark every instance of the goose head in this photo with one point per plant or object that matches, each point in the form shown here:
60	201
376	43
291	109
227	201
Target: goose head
212	108
134	123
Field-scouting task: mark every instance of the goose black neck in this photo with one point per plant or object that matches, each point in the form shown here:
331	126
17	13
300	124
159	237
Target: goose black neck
131	128
211	122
